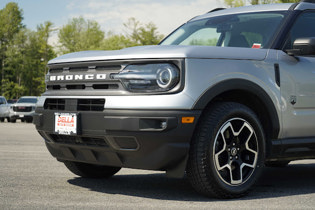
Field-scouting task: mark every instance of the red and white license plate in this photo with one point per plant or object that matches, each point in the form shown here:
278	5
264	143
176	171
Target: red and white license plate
66	123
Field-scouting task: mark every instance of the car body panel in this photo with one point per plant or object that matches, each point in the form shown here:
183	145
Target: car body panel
157	52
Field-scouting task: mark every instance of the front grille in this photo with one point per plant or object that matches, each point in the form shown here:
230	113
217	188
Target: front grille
55	104
22	108
95	78
90	104
87	77
83	87
74	104
78	140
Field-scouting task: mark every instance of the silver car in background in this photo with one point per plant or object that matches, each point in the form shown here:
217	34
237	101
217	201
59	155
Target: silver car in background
23	109
4	109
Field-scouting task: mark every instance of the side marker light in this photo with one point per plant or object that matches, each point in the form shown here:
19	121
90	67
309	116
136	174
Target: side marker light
187	120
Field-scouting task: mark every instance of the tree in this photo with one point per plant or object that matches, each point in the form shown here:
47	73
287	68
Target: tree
38	53
26	60
46	51
235	3
15	66
10	24
80	34
116	42
142	35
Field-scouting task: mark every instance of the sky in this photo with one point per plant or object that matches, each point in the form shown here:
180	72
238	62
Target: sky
167	15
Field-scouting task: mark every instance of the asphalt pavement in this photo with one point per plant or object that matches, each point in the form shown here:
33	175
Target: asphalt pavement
30	178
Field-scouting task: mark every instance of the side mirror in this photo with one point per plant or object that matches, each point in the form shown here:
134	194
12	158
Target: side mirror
303	46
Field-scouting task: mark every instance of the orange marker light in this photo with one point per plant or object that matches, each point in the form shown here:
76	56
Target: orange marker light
186	120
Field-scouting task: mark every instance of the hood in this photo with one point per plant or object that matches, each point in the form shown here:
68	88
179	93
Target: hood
23	104
164	51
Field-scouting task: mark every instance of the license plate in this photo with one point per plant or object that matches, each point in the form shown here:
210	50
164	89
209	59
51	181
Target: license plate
66	123
21	115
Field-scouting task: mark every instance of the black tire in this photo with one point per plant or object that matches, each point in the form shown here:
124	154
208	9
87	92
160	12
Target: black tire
227	151
12	120
280	164
91	171
1	119
8	119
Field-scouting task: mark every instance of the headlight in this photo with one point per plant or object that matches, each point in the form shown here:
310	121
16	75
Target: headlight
149	77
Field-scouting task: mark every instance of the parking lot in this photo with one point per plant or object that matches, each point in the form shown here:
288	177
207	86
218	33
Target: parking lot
31	179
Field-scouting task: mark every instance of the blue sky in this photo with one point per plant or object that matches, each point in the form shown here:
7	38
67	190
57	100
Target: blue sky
111	14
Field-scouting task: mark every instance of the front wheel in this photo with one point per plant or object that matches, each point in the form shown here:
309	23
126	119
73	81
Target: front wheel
227	151
91	171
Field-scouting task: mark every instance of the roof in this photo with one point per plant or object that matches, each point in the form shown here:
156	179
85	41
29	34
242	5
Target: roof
303	5
29	97
246	9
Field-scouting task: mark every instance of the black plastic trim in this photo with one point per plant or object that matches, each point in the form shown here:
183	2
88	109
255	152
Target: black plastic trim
240	84
308	1
282	34
147	139
277	73
292	149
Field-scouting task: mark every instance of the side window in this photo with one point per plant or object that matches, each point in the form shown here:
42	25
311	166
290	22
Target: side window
303	27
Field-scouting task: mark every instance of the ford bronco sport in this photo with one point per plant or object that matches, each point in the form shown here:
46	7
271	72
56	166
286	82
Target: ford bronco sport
223	95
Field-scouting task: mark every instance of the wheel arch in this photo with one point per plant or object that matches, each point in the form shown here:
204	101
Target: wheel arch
247	93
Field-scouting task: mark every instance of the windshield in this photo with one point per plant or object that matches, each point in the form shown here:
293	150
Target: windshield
27	100
249	30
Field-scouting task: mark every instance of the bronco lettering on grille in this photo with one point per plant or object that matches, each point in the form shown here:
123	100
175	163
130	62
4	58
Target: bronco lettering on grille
77	77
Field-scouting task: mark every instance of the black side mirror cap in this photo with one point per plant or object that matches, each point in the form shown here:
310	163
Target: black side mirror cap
303	46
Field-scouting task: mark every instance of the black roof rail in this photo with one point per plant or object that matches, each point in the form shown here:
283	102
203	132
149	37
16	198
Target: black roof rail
216	9
308	1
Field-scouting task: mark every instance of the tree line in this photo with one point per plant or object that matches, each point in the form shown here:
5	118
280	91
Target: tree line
24	53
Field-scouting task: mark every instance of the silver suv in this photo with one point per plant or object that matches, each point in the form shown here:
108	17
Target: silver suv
224	95
23	109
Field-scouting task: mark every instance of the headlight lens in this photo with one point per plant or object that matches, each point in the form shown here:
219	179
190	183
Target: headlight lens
149	77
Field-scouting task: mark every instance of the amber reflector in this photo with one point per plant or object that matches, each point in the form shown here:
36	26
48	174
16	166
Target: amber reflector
188	119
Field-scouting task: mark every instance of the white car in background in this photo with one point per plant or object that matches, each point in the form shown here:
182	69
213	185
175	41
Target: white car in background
4	109
23	109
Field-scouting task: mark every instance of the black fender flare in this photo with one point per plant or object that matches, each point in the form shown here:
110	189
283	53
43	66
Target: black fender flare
245	85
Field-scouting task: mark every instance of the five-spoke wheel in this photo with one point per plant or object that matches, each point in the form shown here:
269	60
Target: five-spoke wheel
227	151
235	151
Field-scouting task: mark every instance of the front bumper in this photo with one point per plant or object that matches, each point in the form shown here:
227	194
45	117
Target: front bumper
22	115
144	139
